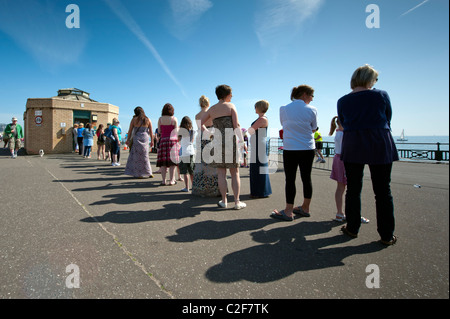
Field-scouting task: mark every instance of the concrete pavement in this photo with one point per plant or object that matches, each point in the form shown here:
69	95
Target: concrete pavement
131	238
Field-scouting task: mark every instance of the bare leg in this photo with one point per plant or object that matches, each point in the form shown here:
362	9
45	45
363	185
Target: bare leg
235	183
222	181
163	174
172	174
338	196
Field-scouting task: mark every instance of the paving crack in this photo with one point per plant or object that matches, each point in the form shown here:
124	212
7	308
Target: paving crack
116	240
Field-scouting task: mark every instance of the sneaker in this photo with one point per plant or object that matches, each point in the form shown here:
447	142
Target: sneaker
240	205
185	190
114	164
221	204
323	161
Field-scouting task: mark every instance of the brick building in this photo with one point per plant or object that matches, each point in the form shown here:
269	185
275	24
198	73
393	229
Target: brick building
48	122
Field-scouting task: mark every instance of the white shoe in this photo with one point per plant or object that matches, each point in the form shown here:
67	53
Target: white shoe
185	190
221	204
114	164
240	205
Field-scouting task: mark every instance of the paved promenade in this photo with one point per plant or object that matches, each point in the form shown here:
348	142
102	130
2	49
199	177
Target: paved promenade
130	238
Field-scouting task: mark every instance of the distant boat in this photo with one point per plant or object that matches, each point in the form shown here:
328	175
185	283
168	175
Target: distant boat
402	137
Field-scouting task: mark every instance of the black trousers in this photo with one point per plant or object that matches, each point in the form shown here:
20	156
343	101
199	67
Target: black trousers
384	202
293	160
80	145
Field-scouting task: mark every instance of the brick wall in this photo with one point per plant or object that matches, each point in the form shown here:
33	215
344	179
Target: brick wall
49	136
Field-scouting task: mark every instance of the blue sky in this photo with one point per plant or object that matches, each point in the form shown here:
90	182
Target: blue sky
149	52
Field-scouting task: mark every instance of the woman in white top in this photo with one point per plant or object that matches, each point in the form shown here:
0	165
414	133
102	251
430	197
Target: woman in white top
299	121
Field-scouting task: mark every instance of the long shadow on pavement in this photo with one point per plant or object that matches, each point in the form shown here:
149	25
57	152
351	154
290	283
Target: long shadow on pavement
285	251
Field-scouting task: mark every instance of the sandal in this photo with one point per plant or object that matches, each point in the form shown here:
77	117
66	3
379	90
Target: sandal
339	218
391	242
281	216
299	211
348	233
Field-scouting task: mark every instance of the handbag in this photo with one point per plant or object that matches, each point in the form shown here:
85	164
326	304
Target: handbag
190	150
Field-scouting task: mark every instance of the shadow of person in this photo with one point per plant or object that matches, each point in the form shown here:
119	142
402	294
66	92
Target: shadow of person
285	251
211	230
169	211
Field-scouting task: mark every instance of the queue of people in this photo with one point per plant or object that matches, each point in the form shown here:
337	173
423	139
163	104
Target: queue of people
108	141
363	136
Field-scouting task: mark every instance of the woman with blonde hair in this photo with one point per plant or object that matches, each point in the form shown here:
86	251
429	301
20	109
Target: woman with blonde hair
80	130
259	163
205	182
116	141
365	115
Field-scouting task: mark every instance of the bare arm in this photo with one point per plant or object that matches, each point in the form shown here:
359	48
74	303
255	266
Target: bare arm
151	132
130	130
116	136
235	120
205	119
260	123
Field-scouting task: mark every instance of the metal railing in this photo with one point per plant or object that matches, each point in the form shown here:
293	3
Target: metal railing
424	151
417	151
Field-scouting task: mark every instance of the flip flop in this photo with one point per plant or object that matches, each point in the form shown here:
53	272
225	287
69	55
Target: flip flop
339	218
281	216
391	242
299	211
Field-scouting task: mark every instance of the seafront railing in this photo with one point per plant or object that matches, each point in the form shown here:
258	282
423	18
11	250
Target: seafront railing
438	152
423	151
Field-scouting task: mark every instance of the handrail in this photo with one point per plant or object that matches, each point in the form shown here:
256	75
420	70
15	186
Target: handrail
429	154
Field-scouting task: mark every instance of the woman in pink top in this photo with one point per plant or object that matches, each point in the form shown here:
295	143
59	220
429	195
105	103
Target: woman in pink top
168	151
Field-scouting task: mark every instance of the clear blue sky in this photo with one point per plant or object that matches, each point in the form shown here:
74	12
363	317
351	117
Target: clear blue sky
149	52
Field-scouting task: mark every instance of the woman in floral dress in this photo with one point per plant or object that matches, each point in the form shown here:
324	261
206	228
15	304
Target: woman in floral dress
205	181
140	135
